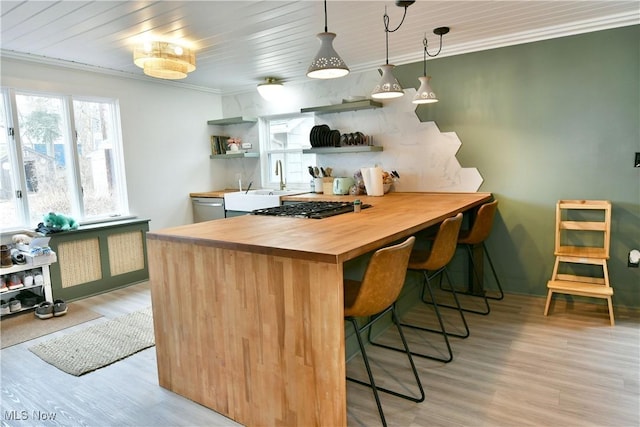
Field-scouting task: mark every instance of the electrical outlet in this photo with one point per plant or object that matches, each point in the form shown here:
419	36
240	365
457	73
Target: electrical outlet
248	145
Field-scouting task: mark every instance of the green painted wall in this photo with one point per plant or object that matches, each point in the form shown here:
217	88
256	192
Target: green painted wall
556	119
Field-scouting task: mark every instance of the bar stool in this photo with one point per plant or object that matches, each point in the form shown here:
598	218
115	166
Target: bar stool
436	260
476	235
375	296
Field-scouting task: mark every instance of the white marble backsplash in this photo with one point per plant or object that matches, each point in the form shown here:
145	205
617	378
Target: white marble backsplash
424	157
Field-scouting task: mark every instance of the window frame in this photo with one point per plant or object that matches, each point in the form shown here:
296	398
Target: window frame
267	166
15	147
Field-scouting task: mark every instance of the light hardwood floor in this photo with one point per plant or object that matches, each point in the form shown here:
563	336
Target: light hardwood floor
517	368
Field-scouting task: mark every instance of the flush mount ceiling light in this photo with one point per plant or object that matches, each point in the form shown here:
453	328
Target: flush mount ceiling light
425	94
389	87
327	64
270	89
164	60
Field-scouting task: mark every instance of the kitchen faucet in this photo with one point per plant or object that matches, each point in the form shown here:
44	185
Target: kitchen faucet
280	172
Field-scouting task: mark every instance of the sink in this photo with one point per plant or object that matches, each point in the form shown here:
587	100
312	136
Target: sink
256	199
269	192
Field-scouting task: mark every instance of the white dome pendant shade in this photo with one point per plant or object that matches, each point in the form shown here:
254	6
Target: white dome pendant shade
425	94
327	64
388	87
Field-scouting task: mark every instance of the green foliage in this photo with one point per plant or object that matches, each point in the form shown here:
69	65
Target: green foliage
42	126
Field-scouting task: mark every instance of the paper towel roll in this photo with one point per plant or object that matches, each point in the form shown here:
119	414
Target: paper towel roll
373	181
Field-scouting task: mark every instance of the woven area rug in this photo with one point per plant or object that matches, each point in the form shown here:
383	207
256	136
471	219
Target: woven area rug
25	326
100	345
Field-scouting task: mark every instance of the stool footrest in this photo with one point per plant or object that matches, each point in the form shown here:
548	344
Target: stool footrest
580	288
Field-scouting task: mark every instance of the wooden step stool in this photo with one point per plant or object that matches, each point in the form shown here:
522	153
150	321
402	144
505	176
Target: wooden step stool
576	224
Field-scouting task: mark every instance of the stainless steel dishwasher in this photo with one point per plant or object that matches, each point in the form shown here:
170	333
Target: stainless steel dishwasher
207	208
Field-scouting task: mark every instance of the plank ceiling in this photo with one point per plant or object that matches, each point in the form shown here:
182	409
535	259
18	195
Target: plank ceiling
239	43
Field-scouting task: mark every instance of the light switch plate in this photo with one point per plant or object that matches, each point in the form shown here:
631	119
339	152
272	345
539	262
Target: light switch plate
248	145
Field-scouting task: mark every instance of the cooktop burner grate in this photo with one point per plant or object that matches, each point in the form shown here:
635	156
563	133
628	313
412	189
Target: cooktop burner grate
315	210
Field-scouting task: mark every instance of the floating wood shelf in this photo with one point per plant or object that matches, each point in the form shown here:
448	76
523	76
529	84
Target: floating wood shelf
235	155
365	104
232	121
340	150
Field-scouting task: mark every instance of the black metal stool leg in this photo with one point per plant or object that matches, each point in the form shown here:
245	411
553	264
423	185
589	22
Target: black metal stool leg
483	296
371	384
495	275
436	305
366	364
405	350
441	323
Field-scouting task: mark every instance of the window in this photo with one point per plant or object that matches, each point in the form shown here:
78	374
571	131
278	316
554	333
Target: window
60	154
100	158
283	139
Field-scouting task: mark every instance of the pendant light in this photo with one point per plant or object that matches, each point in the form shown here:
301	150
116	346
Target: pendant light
425	94
389	87
327	64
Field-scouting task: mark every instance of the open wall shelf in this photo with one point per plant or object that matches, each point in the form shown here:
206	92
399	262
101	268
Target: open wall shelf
235	155
365	104
232	121
345	149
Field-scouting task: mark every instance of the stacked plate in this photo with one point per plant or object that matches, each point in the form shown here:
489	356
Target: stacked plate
323	136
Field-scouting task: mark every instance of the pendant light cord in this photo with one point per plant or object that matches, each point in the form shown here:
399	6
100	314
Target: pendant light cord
424	42
426	53
425	47
385	20
325	16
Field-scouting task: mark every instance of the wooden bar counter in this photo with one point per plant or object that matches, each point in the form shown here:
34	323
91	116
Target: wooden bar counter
248	311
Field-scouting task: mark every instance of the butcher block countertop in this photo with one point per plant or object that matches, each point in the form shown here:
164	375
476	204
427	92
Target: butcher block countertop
335	239
214	193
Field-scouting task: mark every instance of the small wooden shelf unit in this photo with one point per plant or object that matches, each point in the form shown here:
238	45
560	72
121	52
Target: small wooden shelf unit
572	227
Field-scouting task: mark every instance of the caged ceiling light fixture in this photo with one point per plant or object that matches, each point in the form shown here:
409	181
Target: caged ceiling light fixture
389	87
425	94
271	89
164	60
327	64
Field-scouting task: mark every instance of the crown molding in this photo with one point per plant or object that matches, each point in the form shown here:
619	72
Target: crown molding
61	63
540	34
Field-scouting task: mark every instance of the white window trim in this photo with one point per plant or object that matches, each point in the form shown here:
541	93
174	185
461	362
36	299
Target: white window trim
265	167
19	175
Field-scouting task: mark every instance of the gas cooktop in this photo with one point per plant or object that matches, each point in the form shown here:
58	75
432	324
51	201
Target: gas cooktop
316	210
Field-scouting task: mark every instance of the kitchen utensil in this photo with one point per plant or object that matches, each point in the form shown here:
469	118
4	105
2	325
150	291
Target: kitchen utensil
316	171
311	172
324	173
329	171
